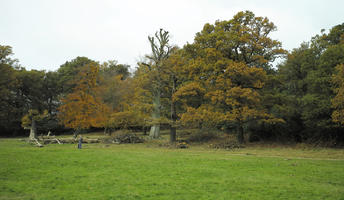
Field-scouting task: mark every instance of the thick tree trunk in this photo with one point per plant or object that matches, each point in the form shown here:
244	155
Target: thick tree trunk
240	134
33	130
107	131
155	129
173	131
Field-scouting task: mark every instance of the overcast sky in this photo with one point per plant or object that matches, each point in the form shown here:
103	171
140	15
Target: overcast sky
46	33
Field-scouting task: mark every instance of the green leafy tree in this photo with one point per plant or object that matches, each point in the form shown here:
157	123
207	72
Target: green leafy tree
171	81
9	112
112	68
338	100
30	120
115	85
307	85
68	72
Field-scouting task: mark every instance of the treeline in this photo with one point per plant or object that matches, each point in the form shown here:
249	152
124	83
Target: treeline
224	81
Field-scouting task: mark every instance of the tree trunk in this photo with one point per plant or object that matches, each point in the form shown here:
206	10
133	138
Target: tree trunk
144	130
107	131
173	134
240	134
76	133
173	130
33	130
155	129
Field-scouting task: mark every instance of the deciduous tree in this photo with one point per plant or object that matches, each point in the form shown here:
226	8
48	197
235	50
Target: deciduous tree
226	70
29	121
338	100
307	85
9	111
68	72
82	108
160	51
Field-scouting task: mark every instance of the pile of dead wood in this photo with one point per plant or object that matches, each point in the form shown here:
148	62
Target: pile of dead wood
227	144
53	140
68	140
124	138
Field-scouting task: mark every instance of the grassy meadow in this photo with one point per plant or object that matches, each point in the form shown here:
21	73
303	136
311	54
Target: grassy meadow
147	171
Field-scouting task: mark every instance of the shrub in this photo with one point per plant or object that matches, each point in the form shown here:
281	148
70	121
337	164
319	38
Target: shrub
226	144
203	136
127	138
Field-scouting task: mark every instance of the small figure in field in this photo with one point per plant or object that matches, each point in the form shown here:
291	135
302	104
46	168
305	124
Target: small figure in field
80	142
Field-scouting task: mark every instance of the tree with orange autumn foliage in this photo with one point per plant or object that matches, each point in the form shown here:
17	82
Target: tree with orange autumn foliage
229	97
225	72
83	108
171	70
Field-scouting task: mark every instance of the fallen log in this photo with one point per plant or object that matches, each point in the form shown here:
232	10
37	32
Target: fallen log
68	141
58	141
90	141
125	138
50	140
36	142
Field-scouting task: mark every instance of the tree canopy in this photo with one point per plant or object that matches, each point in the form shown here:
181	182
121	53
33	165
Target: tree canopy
226	80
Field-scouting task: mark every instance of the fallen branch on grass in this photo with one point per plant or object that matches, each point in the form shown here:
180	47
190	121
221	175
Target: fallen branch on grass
58	141
37	143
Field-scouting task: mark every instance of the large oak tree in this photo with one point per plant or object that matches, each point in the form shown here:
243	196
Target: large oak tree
226	70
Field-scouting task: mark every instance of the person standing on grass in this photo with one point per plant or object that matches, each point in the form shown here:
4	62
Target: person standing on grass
80	142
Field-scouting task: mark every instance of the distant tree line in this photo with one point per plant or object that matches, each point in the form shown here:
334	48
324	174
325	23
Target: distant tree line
225	80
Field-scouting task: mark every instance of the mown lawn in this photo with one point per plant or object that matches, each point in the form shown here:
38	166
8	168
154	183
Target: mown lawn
100	171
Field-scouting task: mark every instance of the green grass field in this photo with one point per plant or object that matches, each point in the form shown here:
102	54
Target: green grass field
143	171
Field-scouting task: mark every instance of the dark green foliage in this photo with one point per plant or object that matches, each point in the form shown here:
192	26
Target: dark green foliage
112	68
10	114
302	95
50	123
336	35
203	135
51	92
30	85
127	138
39	90
22	90
227	145
68	71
